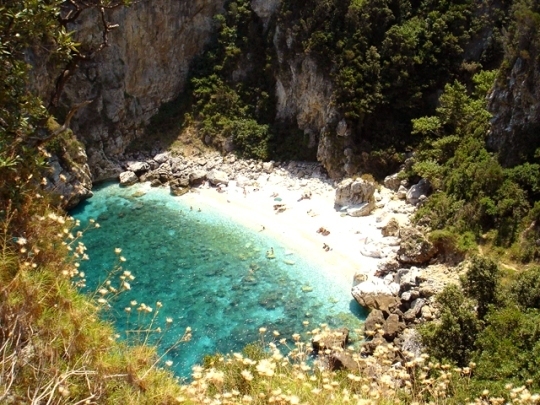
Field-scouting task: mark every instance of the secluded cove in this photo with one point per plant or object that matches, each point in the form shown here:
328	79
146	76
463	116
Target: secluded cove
209	272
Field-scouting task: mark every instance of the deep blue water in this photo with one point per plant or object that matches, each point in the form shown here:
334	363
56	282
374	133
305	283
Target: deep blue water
210	274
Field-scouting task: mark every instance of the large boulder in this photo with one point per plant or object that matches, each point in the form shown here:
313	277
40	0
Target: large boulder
354	192
423	188
392	327
138	167
392	182
375	293
216	177
128	178
197	176
374	321
415	248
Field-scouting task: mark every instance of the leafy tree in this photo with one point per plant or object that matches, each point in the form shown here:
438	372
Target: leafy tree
509	347
481	282
525	290
453	337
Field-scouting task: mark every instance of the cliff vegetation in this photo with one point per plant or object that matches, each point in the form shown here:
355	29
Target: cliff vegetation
409	79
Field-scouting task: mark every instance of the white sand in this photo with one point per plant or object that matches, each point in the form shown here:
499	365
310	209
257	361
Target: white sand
296	227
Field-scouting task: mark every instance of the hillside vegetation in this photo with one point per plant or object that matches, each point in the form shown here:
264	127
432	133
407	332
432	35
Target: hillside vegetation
406	61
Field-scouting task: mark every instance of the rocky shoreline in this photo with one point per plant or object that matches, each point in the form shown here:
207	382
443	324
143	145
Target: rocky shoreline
400	294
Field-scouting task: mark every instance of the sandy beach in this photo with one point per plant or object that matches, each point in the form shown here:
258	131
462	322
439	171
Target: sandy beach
296	225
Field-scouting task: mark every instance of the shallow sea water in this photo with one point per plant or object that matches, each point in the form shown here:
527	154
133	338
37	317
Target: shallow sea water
210	274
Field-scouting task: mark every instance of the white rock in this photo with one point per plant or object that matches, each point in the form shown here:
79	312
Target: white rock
161	157
128	178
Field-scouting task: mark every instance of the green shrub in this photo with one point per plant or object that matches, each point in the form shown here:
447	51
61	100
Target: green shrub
453	337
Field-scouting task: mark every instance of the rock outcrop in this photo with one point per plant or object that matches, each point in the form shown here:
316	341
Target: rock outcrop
355	197
145	65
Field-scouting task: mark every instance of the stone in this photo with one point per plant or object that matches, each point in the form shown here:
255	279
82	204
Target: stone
417	305
426	313
138	167
342	361
197	176
359	277
391	228
268	167
407	278
354	192
370	346
371	250
423	188
384	303
161	157
216	177
402	192
374	320
361	210
128	178
392	182
409	316
414	247
392	327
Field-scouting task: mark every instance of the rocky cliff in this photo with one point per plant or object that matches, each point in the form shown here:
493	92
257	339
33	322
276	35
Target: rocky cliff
145	65
515	99
148	62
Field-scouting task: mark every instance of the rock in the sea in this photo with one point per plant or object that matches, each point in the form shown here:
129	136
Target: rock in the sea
415	248
354	192
128	178
415	193
216	177
376	294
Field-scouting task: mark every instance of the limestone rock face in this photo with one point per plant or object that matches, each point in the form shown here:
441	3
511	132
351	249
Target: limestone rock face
515	105
354	192
72	183
145	65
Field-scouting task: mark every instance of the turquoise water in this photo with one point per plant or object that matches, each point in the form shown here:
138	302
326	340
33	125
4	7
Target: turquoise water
210	274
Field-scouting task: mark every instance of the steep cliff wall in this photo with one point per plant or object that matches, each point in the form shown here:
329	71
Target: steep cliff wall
515	103
304	97
146	64
515	99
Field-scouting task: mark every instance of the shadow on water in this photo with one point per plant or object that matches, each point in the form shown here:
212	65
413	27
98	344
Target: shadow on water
358	310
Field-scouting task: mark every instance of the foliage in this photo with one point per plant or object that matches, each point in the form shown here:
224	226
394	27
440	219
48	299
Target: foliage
226	109
525	290
474	193
452	338
509	348
481	282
